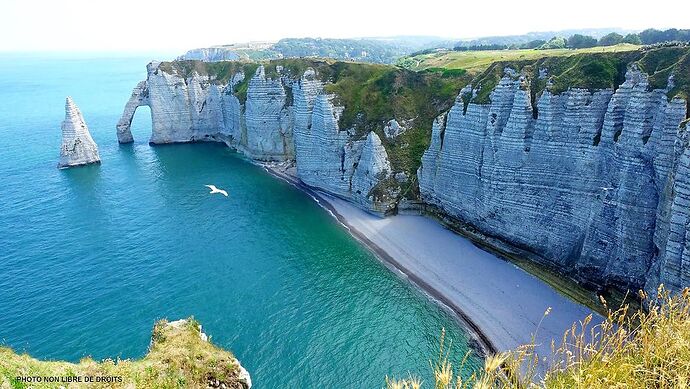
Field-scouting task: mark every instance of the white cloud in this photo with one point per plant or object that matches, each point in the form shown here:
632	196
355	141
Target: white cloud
172	25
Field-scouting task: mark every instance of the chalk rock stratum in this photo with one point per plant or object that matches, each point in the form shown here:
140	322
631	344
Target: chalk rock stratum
592	183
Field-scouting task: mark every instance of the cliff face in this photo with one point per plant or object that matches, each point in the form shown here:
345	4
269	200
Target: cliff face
182	109
78	148
331	159
573	161
268	119
590	182
282	118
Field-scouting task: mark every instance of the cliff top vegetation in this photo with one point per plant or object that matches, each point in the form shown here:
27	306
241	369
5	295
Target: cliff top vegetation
592	70
371	50
647	348
475	61
177	357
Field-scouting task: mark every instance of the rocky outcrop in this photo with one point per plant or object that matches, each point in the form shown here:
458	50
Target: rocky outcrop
183	109
371	172
393	129
337	161
243	377
78	148
588	182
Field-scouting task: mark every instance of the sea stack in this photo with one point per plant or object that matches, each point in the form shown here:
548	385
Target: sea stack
78	148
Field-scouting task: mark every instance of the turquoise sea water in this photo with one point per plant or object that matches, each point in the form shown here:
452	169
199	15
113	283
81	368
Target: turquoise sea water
91	257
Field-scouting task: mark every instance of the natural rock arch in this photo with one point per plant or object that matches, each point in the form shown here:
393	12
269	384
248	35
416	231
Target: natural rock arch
140	96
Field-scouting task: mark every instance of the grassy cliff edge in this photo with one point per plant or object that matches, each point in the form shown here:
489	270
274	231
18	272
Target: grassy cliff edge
180	355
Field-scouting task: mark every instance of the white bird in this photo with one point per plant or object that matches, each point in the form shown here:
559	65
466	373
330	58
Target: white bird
216	190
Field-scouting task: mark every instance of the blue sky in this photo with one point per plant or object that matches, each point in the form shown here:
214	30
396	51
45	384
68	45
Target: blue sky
171	25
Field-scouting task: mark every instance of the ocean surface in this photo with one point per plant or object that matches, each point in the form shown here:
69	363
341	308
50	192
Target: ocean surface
90	257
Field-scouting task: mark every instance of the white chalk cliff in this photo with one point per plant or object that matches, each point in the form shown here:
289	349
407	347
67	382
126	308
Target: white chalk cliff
590	185
78	148
267	119
267	127
593	183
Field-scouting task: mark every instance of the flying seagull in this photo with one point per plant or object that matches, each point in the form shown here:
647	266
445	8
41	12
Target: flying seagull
216	190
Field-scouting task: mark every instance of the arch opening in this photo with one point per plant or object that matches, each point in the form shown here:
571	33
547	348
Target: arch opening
139	98
141	124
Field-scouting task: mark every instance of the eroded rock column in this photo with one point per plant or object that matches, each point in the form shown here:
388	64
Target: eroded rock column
78	148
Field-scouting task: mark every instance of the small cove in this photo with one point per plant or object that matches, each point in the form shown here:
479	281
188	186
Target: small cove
90	260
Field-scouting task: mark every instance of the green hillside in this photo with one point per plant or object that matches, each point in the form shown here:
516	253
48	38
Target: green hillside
477	61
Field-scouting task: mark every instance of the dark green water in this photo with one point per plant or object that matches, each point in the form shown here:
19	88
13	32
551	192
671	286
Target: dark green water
91	257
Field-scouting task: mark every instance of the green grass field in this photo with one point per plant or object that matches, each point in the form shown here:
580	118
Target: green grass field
477	61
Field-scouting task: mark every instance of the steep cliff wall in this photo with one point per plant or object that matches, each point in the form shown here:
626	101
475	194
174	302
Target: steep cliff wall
577	161
267	118
329	158
183	109
279	113
592	182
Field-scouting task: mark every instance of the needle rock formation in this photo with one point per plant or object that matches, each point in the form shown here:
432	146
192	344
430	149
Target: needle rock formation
78	148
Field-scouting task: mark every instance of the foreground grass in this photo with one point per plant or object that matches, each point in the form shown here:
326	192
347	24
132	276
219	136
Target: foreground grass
178	358
475	62
643	349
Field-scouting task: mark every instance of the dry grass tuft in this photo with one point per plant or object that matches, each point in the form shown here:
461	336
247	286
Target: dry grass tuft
643	349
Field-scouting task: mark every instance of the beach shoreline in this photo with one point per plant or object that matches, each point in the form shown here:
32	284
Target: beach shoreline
501	305
482	344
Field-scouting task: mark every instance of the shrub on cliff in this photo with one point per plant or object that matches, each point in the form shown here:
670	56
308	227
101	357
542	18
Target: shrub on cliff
611	39
648	348
633	39
579	41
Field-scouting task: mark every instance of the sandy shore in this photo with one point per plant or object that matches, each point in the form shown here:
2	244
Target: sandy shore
501	303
